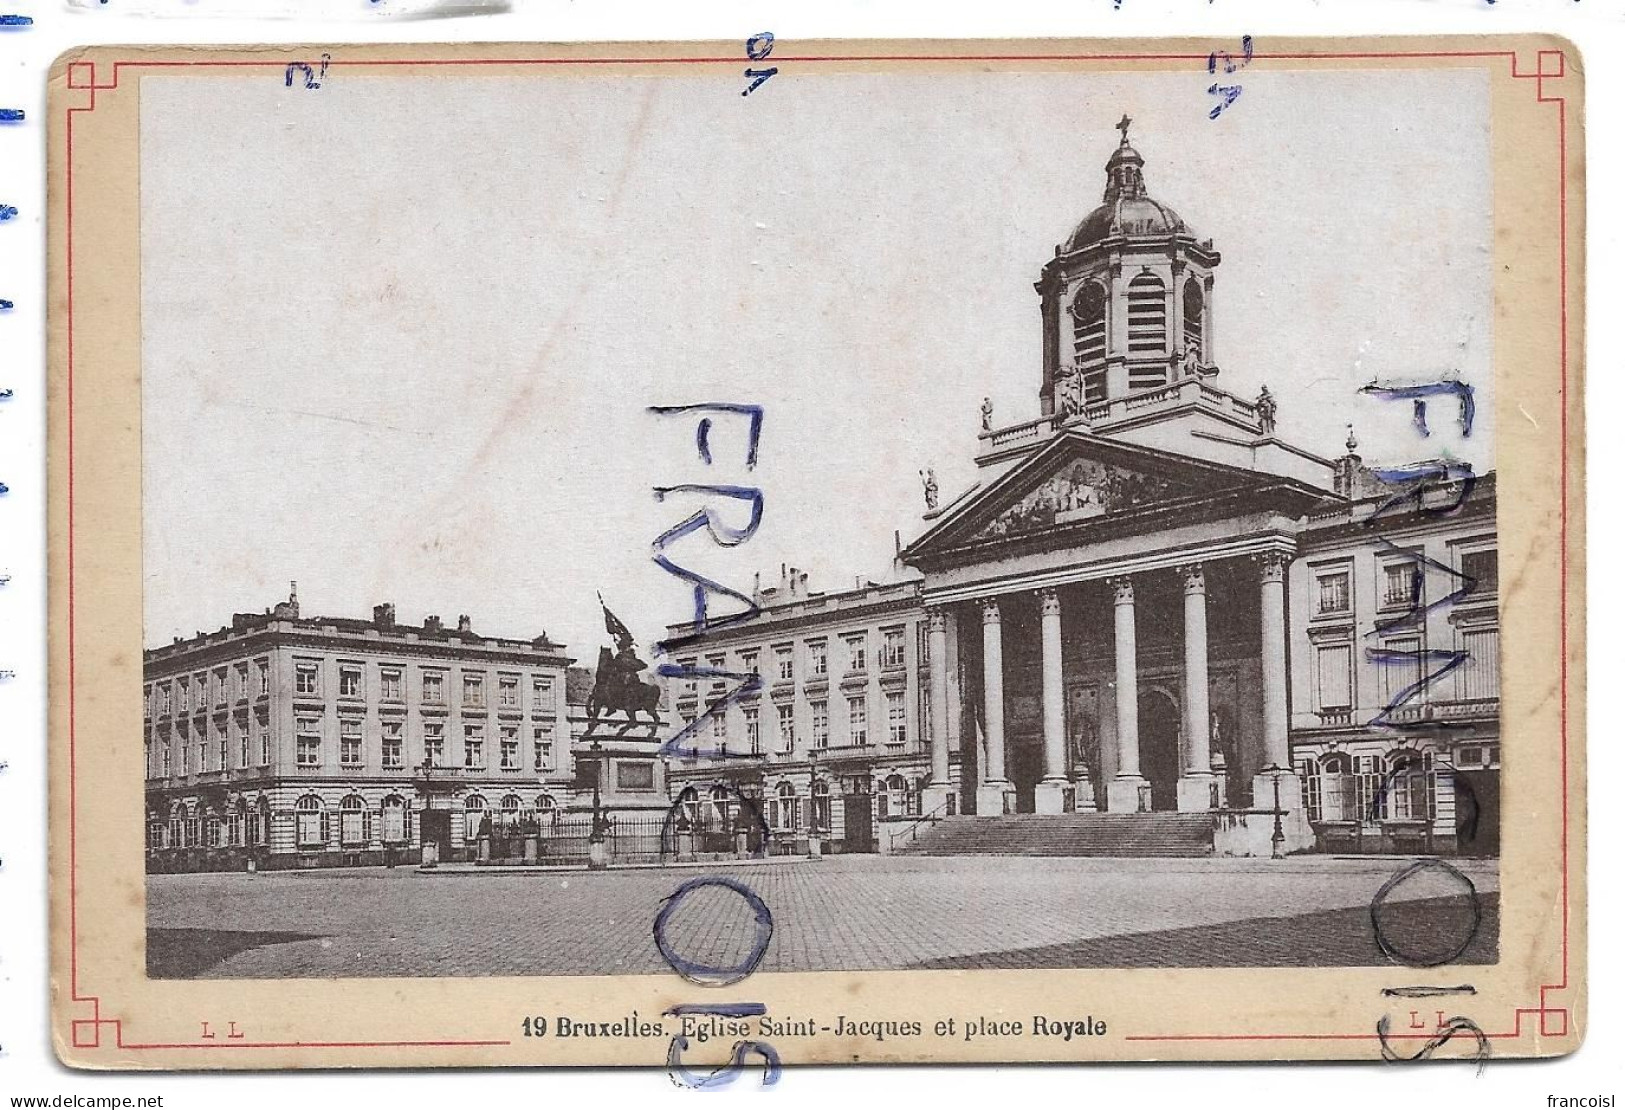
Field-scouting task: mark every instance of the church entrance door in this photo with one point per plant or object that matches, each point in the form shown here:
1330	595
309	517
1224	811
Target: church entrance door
1159	747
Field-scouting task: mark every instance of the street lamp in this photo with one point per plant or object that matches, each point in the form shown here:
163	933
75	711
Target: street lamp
1277	837
815	842
431	848
597	855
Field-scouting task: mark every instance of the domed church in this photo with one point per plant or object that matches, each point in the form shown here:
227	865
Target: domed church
1150	616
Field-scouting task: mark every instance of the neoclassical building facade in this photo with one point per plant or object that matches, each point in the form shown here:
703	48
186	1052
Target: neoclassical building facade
1124	612
308	741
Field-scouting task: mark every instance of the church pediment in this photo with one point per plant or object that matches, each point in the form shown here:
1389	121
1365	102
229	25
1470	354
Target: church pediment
1084	483
1080	489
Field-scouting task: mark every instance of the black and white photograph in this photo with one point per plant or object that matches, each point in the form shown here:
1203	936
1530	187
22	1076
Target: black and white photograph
1015	521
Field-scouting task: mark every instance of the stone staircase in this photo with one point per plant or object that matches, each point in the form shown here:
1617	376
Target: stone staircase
1066	834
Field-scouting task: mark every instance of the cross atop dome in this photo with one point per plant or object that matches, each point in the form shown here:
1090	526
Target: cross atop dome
1122	125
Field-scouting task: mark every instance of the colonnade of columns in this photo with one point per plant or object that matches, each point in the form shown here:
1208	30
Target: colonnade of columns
1127	791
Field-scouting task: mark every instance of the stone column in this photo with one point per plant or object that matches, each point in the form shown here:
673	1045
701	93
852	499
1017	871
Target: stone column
991	790
1123	792
1277	752
1197	780
936	639
1048	796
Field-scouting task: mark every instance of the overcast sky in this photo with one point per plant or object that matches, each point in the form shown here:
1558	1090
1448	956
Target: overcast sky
400	335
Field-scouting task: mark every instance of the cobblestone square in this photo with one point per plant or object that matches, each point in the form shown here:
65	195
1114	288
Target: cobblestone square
840	913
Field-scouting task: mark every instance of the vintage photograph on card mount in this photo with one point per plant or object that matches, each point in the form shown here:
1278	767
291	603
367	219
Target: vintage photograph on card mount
615	530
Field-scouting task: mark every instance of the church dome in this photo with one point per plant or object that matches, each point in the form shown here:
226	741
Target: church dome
1126	208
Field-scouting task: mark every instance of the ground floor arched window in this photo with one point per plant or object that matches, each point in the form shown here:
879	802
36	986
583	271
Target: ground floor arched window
310	822
784	809
547	810
893	800
353	821
820	806
392	814
473	816
177	826
1339	798
1412	787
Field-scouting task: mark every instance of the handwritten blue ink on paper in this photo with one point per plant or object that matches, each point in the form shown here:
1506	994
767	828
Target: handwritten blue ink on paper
7	212
706	974
5	305
1227	93
16	22
12	115
1418	395
757	48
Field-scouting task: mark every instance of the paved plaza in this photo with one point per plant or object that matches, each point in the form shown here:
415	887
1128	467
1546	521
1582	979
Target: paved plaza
852	912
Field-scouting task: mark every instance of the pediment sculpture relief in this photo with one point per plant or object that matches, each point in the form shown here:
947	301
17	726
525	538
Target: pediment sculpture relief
1079	491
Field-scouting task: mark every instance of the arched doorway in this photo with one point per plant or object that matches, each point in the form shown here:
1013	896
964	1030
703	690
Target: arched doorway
1159	747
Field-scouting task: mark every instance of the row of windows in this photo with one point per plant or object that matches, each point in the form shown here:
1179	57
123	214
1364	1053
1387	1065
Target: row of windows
1369	789
784	723
310	745
1146	307
1402	583
391	680
855	646
217	687
1408	676
213	750
786	811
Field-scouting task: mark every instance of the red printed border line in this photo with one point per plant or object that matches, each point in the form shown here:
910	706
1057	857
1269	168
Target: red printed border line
1552	1021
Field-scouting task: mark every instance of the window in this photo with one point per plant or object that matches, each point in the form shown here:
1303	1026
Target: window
1401	584
784	809
1479	677
165	757
857	652
262	672
262	726
1481	569
146	756
719	727
349	682
893	800
857	720
787	728
784	659
240	675
352	821
1410	792
508	691
473	745
1334	661
183	696
750	662
542	747
1332	593
389	684
510	746
163	700
434	687
542	697
1337	793
350	742
394	822
308	821
308	741
753	729
474	690
394	744
1147	318
820	723
1192	310
243	744
434	743
1371	804
1401	671
818	657
473	817
1089	339
691	686
307	679
891	648
896	718
222	690
222	748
